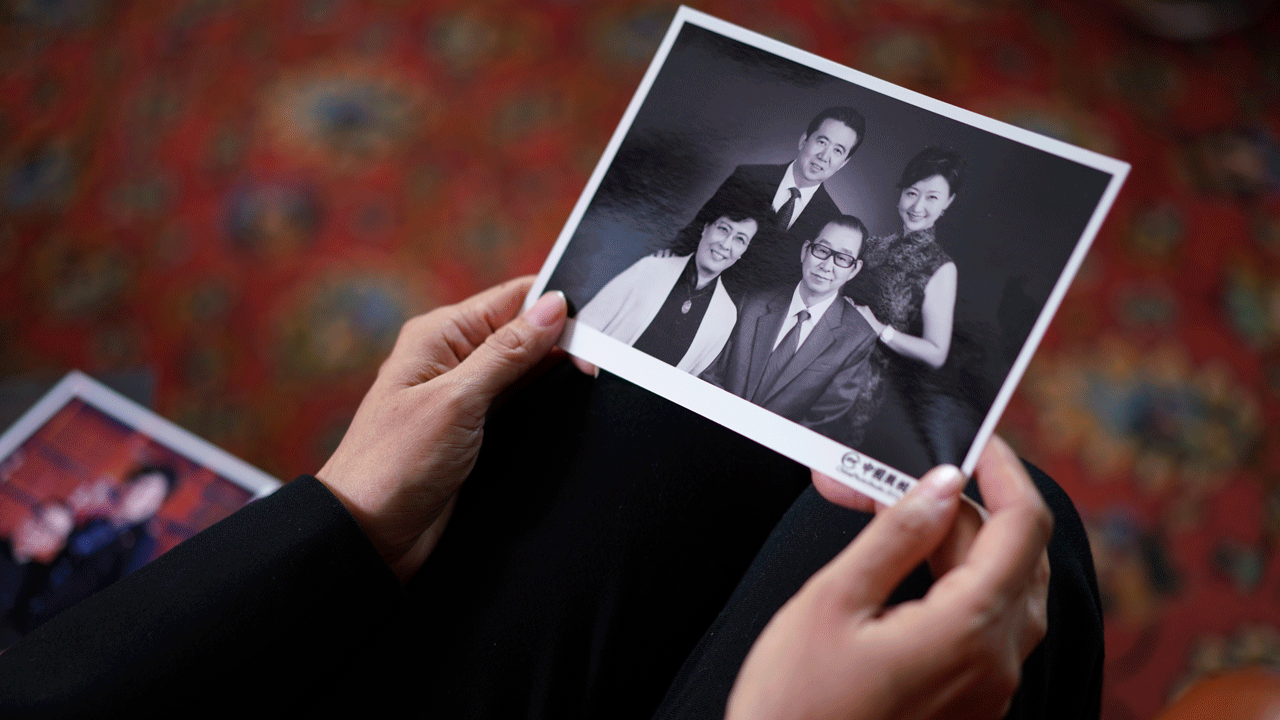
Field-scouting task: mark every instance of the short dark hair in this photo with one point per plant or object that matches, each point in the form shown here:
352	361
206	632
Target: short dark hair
739	203
850	222
168	473
846	115
931	161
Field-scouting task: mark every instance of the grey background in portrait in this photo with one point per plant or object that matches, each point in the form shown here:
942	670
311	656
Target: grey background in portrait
718	103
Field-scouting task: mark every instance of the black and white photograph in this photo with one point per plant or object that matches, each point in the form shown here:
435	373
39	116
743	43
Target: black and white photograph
850	273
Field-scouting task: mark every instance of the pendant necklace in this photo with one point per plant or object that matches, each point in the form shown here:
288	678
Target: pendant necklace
688	304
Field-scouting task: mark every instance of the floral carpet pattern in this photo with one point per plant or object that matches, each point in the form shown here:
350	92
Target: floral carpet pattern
243	199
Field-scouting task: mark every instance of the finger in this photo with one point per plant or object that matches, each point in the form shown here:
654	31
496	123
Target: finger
1037	608
955	546
1004	555
432	344
554	357
840	494
1002	478
513	349
586	367
899	537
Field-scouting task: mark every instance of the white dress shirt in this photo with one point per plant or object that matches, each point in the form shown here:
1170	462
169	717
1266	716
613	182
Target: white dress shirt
784	192
816	311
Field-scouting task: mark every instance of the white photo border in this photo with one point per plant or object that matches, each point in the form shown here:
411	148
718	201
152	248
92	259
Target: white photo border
863	473
78	386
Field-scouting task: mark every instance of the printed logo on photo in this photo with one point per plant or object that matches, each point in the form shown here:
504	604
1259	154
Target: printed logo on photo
849	463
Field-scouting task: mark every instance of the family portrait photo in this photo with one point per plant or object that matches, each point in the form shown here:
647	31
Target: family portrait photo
93	487
771	237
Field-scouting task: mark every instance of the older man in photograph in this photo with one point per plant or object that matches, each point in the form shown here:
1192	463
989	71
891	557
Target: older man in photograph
800	351
675	307
796	194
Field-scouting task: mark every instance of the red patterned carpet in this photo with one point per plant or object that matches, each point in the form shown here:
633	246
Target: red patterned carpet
241	202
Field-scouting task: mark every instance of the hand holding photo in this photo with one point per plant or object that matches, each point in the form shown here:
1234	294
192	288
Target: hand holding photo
850	273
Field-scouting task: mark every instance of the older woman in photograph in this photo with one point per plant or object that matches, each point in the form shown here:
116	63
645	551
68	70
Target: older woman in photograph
908	294
675	307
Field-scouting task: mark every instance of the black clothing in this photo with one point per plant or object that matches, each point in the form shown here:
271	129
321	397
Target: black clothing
773	259
18	582
603	531
96	554
671	331
896	269
598	537
1061	679
284	604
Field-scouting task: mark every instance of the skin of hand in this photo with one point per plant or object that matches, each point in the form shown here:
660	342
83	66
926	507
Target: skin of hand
869	316
835	651
584	366
416	434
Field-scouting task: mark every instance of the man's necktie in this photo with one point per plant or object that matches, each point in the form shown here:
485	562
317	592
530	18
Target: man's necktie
788	207
779	357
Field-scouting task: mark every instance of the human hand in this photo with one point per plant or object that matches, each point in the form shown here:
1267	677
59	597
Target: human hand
868	315
946	555
584	366
835	651
416	434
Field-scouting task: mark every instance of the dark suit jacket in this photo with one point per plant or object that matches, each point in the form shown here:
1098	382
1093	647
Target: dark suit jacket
822	381
773	258
286	606
96	555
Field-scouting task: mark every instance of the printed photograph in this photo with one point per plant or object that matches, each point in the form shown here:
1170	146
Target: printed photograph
92	487
814	245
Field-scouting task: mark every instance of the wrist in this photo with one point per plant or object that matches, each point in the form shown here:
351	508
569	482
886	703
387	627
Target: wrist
887	333
402	530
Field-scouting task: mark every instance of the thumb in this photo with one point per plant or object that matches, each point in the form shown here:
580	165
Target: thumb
897	540
515	347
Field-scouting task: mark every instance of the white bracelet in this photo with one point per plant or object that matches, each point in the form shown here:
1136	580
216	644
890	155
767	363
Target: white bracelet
887	333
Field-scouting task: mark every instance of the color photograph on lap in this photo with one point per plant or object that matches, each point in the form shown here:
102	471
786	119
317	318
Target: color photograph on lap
850	273
93	487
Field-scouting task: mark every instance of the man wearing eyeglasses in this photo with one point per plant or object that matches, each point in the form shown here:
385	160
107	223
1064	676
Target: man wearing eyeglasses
799	351
797	194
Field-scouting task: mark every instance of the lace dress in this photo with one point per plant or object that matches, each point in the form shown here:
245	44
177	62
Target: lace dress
895	270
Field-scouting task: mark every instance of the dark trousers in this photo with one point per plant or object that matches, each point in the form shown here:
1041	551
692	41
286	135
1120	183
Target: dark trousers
630	542
612	556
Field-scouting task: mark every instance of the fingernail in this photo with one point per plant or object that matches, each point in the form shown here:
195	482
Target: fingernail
547	310
943	482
